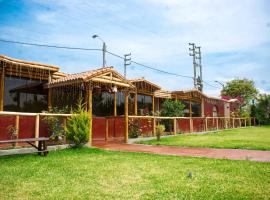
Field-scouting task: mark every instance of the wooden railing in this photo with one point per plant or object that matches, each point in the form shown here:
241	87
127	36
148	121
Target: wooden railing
37	119
206	123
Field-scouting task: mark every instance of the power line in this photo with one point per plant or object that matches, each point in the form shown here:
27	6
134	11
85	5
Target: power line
92	49
148	67
49	46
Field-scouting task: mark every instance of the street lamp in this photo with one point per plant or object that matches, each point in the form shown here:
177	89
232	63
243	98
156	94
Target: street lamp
103	49
222	84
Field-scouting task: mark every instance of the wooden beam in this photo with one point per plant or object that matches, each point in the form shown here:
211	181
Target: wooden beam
115	104
154	126
190	109
153	104
37	129
136	104
126	116
107	130
206	124
174	126
190	125
2	88
90	111
202	108
17	126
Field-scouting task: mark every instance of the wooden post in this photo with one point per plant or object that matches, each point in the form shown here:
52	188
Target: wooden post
174	126
217	123
154	126
153	104
90	111
115	104
126	116
206	124
240	125
233	123
245	122
37	128
190	109
17	126
107	130
226	123
202	108
49	99
49	94
136	104
190	125
2	88
254	121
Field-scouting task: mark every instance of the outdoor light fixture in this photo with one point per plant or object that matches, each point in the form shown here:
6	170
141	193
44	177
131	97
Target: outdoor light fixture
114	89
103	49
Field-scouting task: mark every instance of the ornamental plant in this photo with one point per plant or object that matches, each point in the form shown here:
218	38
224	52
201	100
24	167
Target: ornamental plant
159	130
78	126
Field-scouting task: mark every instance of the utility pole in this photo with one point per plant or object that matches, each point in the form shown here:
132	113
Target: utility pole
199	58
195	52
104	54
192	53
127	61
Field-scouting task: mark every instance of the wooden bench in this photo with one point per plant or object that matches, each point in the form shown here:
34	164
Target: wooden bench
41	148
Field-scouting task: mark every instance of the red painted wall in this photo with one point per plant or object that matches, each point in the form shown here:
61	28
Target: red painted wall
208	108
183	125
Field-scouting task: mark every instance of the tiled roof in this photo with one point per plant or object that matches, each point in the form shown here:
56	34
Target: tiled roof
82	76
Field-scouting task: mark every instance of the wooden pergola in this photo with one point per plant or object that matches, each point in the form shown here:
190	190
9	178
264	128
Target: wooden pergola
19	68
144	87
107	77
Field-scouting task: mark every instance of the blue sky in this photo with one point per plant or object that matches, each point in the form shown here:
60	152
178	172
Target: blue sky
234	36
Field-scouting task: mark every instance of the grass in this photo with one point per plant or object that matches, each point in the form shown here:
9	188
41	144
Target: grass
245	138
99	174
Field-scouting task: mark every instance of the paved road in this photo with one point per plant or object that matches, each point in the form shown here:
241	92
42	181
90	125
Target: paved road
234	154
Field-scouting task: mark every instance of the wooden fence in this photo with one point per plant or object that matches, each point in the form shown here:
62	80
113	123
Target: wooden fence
37	116
189	125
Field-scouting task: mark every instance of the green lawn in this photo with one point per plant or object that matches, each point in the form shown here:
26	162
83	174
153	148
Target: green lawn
244	138
99	174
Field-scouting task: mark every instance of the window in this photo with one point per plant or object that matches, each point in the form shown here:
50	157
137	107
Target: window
144	104
196	109
103	104
24	95
215	111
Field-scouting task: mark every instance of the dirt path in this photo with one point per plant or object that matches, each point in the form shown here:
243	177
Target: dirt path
234	154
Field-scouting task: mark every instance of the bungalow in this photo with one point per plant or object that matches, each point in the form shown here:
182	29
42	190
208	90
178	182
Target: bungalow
109	97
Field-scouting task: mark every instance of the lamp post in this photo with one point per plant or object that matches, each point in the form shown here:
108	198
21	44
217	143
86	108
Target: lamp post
103	49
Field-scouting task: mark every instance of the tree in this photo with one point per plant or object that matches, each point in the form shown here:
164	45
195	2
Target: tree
172	108
242	88
263	109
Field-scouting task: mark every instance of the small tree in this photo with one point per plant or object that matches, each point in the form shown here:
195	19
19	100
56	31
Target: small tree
262	110
171	108
159	130
78	126
242	88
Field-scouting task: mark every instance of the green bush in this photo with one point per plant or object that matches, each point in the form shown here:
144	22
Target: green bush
78	127
159	130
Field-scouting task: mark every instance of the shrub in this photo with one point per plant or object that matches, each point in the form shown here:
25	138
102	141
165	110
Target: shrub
159	130
78	126
55	126
134	128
